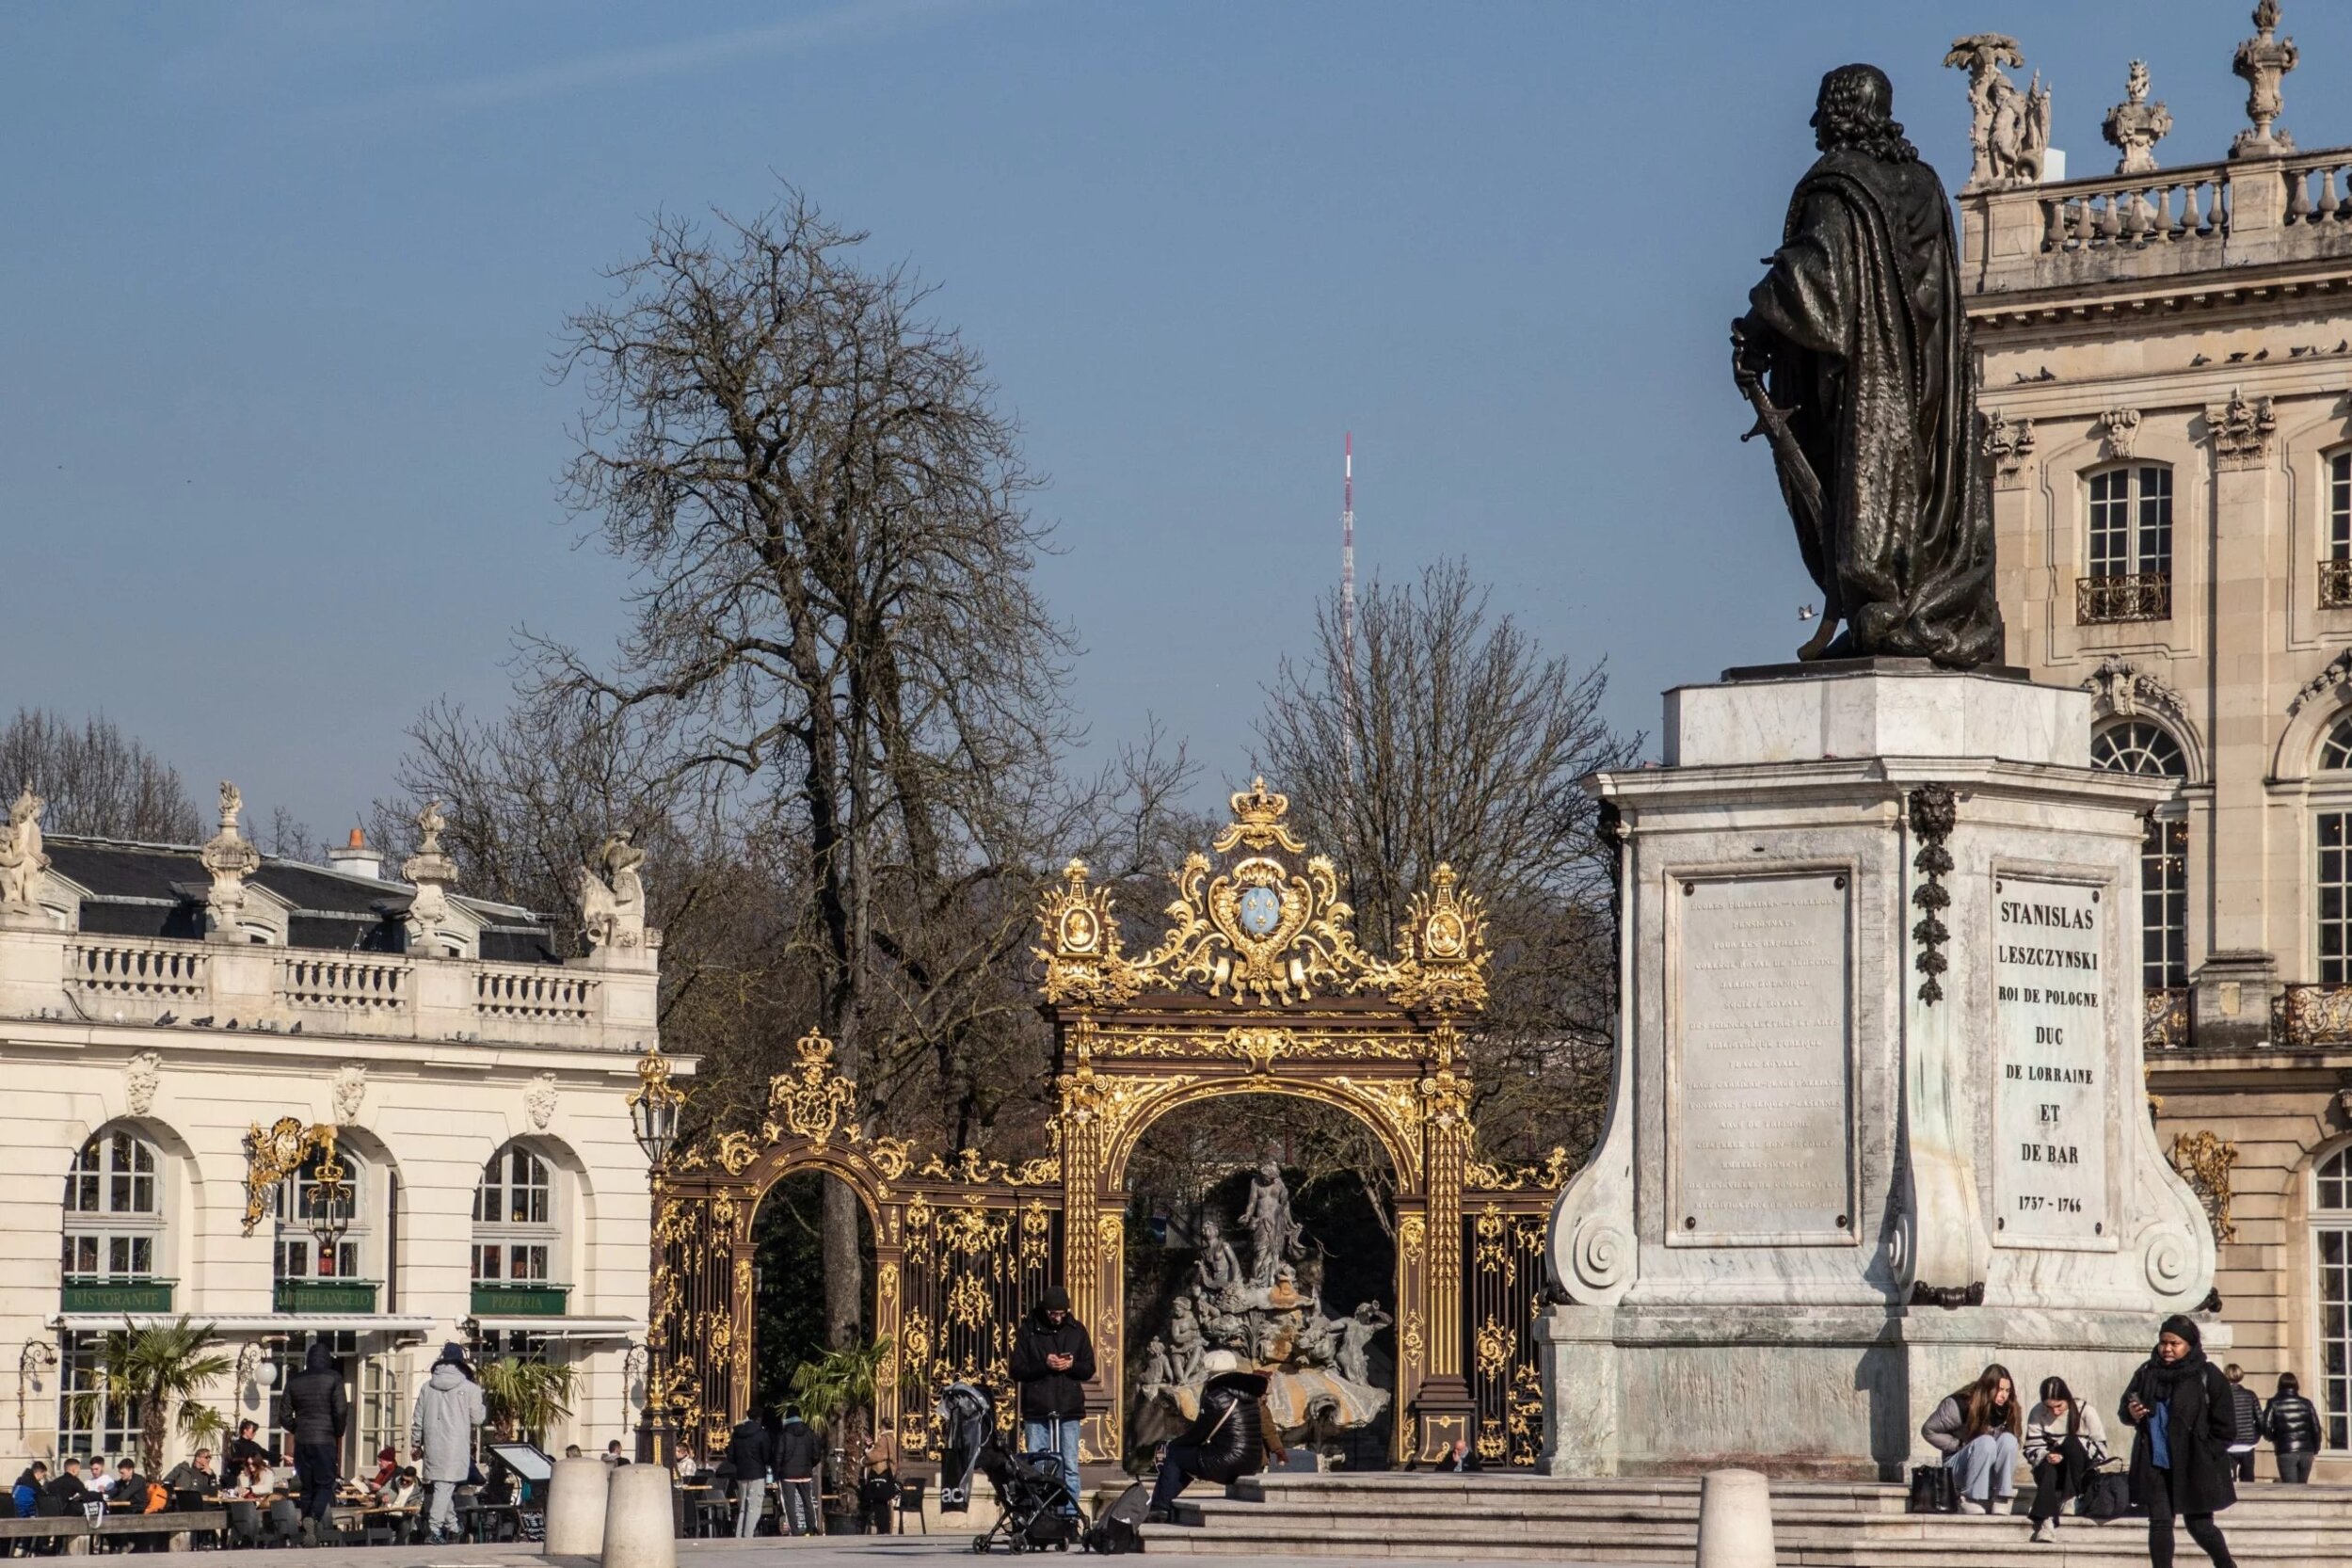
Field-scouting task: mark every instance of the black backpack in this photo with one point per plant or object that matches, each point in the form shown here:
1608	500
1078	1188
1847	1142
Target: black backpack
1120	1529
2105	1494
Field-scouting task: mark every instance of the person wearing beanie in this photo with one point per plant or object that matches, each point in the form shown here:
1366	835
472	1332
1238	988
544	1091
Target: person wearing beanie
1052	1358
449	1407
2180	1406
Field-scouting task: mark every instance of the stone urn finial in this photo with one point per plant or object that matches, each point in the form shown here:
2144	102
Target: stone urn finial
2263	60
2135	126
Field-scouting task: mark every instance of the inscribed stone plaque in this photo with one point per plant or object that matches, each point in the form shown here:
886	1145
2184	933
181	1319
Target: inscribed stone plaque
1757	1093
2050	1120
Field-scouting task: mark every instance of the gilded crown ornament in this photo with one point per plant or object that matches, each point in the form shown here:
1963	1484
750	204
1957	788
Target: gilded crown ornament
812	1096
1265	929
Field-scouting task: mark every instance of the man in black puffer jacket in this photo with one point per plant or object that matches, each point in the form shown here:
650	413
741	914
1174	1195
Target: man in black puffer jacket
315	1413
1231	1439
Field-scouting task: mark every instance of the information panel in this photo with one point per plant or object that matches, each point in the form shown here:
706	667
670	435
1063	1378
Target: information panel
1757	1105
2050	1123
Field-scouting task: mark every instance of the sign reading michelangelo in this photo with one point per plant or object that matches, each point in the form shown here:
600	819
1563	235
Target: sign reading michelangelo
2050	1123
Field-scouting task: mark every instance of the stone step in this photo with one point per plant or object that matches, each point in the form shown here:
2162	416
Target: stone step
1992	1544
1538	1496
1628	1521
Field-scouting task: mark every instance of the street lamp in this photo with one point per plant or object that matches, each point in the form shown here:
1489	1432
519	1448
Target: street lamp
653	1107
330	1202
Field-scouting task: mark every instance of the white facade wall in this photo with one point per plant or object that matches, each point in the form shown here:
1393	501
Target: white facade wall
430	1114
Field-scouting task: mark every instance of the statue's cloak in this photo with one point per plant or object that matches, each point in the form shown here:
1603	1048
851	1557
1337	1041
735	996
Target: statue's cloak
1872	362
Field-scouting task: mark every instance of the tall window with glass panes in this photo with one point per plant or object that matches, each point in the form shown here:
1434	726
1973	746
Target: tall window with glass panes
2331	1247
2129	547
2138	745
2331	885
114	1232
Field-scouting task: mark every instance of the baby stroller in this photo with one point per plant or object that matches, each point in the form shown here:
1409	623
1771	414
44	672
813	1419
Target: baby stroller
1034	1509
966	1417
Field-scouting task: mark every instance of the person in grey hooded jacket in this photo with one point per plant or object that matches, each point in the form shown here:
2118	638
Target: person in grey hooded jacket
449	1407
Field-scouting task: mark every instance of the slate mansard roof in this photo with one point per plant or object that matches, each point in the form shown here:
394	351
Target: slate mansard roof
134	890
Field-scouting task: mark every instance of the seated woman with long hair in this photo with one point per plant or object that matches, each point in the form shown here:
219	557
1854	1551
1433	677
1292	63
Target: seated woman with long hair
1975	1429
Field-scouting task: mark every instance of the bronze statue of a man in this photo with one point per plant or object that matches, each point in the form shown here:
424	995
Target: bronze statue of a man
1854	351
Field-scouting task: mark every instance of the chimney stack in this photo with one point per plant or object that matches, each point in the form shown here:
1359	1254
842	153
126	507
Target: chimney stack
357	857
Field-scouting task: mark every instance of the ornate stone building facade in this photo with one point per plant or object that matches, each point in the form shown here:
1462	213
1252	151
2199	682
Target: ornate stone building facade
313	1103
2166	395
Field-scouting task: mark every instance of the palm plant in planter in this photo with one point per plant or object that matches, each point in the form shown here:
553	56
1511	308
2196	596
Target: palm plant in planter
161	1371
837	1394
525	1398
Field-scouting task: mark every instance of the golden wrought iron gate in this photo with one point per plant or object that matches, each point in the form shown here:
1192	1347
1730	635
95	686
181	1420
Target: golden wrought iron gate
1257	986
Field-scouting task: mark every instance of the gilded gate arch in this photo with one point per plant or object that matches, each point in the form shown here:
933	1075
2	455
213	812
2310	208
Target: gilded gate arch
961	1246
1256	986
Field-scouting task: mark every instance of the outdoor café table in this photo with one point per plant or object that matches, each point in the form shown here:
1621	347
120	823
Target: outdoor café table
73	1526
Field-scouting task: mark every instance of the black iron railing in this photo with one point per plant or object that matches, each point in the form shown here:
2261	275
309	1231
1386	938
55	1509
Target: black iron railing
2134	595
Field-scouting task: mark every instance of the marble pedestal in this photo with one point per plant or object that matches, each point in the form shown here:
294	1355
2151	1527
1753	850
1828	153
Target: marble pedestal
1879	1115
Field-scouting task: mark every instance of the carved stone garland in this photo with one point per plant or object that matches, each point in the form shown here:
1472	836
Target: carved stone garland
1933	815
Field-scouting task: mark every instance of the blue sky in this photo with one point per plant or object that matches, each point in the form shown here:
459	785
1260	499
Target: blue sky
279	447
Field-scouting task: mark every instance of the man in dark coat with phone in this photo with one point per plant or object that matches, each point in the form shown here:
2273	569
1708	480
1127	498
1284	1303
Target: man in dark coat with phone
1052	1358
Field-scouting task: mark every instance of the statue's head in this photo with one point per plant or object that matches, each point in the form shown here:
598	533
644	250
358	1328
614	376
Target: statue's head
1856	109
1210	1230
1268	1169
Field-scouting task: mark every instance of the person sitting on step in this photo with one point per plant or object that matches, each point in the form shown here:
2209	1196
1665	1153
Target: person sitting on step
1975	1429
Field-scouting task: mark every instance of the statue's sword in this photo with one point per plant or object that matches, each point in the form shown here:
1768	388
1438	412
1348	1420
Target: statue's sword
1797	469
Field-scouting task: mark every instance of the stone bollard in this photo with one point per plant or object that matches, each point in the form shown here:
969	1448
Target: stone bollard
1736	1520
639	1528
575	1507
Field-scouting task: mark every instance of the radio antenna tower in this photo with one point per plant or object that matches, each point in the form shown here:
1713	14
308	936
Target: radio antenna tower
1347	589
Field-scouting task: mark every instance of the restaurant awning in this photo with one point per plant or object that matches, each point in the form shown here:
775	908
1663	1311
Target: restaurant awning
561	1328
259	1322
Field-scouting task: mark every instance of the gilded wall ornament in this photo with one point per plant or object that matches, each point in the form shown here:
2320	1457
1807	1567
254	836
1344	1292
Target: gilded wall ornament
277	1152
2204	1162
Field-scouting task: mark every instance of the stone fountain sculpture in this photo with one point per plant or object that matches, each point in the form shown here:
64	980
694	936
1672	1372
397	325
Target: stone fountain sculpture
1316	1367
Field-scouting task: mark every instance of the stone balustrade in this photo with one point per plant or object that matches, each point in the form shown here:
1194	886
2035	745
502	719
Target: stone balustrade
594	1003
2199	217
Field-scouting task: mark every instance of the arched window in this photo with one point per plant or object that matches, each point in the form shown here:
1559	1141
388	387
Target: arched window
514	1221
2331	1244
114	1234
114	1209
2130	554
2136	745
303	1253
2335	752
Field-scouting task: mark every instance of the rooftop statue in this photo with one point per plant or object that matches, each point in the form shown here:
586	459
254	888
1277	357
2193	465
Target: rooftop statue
1854	352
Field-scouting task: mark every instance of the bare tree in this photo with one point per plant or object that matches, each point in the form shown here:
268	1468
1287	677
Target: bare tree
837	648
96	779
1454	738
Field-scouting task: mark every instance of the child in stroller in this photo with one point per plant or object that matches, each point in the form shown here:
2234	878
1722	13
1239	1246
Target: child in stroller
1034	1508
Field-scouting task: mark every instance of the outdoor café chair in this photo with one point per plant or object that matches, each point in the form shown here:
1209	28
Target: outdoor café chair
910	1499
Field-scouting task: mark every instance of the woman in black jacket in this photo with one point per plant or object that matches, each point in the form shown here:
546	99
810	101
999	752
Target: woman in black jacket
2292	1424
1232	1437
2180	1404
